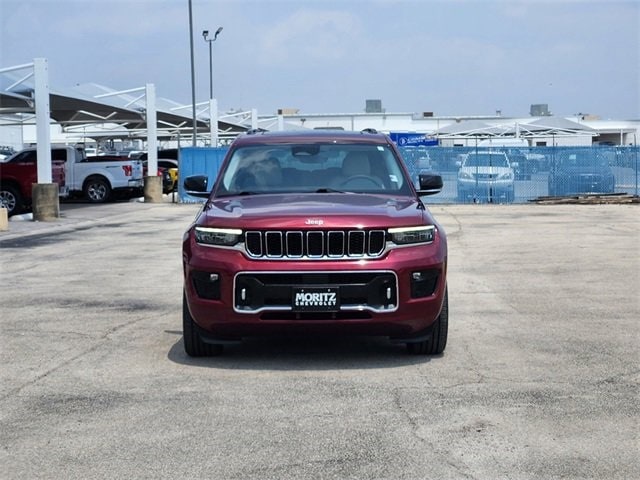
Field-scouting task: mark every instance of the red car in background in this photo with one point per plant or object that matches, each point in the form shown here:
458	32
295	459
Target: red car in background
18	173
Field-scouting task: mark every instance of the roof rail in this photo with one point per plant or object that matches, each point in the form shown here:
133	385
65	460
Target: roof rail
368	130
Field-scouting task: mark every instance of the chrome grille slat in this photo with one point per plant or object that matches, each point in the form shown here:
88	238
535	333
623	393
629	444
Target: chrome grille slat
315	244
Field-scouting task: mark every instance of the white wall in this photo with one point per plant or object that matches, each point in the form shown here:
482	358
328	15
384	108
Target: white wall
11	136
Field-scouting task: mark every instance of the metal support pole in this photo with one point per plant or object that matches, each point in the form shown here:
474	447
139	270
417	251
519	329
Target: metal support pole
213	121
152	134
210	68
43	133
152	182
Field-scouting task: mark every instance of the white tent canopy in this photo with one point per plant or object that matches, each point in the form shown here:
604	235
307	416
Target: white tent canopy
553	126
471	128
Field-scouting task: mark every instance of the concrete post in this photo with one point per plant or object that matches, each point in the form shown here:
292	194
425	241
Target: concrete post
45	202
4	219
153	189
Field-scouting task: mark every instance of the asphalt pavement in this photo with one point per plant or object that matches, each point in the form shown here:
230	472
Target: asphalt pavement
539	379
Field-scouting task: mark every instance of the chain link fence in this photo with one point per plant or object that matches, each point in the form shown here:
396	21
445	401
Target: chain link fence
507	175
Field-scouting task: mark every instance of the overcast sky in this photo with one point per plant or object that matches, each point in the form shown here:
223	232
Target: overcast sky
454	57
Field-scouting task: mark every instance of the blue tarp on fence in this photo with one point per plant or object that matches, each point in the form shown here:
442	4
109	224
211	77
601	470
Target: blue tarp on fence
540	171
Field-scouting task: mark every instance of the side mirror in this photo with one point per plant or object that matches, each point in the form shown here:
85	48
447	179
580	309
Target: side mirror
514	164
429	184
196	185
458	163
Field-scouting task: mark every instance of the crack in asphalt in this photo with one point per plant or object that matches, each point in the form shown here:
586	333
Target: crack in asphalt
100	341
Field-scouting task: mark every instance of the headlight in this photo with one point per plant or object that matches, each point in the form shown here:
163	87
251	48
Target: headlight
408	235
465	175
217	236
506	176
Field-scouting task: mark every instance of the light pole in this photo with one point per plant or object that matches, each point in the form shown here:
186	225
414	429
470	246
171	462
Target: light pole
193	74
205	34
213	105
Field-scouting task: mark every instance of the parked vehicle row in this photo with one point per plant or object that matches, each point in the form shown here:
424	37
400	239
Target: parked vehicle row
491	175
96	178
167	159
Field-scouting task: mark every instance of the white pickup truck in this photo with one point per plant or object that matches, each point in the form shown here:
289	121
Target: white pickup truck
98	178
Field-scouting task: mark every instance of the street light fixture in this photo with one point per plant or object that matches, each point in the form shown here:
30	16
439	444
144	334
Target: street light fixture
205	34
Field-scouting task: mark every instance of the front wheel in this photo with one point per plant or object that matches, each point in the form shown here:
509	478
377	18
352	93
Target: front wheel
10	199
436	343
193	344
97	190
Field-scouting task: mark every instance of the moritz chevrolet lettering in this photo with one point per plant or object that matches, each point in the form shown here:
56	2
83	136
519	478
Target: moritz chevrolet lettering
316	233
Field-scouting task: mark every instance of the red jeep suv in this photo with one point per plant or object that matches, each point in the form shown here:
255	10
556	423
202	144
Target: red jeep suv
315	232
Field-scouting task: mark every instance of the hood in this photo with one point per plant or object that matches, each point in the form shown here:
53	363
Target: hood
317	210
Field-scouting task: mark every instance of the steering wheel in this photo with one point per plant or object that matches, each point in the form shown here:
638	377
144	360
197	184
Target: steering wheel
376	182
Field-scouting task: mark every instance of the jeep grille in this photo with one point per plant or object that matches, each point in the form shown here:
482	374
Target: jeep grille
315	244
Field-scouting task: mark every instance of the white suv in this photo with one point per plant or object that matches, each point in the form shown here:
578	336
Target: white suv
486	176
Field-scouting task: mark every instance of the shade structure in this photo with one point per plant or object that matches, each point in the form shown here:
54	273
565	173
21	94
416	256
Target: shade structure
471	128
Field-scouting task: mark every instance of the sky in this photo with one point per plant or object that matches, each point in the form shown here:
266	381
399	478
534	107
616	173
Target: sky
452	58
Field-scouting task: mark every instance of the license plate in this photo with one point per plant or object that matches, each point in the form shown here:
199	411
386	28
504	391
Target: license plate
320	299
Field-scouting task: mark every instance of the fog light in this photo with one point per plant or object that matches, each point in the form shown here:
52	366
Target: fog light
423	283
207	285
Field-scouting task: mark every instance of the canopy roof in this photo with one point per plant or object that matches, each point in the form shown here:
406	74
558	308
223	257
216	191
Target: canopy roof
554	126
470	128
540	127
96	104
67	110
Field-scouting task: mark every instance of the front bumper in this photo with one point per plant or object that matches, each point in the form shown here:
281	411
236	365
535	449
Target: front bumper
230	296
581	184
484	189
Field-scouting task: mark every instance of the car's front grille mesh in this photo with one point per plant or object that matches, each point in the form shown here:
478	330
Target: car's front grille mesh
315	244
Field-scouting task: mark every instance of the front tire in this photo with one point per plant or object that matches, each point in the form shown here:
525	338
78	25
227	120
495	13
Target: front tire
10	199
97	190
437	342
193	344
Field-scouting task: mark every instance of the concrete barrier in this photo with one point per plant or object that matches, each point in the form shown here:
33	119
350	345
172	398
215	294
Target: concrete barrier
4	219
45	201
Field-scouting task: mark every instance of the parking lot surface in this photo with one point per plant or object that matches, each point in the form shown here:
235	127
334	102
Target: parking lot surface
539	379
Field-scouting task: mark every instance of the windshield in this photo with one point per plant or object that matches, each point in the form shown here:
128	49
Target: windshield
486	160
313	168
582	160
